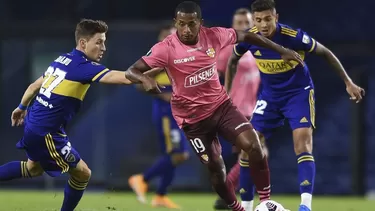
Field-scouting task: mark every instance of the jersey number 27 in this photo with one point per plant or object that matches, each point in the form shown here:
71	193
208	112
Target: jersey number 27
52	78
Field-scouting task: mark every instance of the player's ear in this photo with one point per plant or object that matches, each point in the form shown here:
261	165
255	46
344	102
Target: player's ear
82	43
175	22
202	22
277	17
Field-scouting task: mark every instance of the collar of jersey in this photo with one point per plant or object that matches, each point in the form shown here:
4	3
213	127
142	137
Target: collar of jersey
78	53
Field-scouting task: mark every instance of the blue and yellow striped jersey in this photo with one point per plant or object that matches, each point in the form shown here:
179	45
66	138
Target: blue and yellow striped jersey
277	77
64	87
159	106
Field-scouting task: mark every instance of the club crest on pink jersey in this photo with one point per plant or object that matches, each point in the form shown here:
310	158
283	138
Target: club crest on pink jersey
211	52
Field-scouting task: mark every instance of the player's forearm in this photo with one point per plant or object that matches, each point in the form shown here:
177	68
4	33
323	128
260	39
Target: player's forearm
231	72
29	94
337	66
258	40
165	96
135	72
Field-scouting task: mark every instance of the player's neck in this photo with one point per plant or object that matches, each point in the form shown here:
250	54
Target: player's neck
193	42
271	35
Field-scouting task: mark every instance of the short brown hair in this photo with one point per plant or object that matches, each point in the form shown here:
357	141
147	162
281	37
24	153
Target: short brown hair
87	28
242	11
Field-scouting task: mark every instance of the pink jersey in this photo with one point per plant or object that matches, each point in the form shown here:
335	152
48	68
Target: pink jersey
192	70
246	82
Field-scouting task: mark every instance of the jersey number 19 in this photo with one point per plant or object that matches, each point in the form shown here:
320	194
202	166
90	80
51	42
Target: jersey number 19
53	77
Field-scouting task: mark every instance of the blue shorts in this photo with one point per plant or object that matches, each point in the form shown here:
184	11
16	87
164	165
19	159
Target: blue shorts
53	151
270	112
171	137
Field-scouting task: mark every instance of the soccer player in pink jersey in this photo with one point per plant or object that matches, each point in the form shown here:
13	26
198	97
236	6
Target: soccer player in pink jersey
242	89
199	102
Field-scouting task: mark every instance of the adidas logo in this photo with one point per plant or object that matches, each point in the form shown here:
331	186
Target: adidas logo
257	53
242	191
305	183
303	120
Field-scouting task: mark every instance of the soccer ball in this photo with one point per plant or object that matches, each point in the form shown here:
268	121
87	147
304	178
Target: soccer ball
269	205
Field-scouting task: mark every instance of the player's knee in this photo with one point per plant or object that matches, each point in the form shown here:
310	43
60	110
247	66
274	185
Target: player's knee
244	155
254	150
34	168
178	158
302	140
82	172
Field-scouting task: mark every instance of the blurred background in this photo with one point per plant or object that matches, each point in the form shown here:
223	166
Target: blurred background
114	132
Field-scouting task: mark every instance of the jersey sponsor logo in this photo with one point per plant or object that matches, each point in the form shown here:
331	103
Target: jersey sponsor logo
276	66
43	102
184	60
201	76
211	52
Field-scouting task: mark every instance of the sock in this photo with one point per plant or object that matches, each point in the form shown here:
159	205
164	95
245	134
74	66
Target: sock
166	180
248	205
72	194
260	174
226	192
14	170
246	183
306	177
235	206
234	175
158	168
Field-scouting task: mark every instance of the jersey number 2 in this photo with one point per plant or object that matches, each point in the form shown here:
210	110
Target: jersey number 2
260	106
53	77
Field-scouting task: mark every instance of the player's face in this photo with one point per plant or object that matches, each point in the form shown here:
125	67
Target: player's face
265	22
165	33
94	48
188	26
242	22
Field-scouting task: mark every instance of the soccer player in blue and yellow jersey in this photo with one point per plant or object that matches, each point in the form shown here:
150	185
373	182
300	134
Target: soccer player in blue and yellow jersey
287	88
58	97
172	141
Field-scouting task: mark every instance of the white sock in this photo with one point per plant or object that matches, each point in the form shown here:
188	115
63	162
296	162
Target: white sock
248	205
306	199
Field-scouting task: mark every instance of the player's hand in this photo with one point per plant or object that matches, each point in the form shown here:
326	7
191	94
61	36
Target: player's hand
290	55
356	93
18	116
150	85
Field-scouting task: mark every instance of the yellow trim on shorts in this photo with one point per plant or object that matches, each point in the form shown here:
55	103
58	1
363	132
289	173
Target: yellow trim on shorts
55	155
312	107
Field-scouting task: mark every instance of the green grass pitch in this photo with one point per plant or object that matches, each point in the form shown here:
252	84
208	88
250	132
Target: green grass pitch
96	201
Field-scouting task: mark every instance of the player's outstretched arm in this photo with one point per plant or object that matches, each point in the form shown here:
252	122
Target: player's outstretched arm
286	54
231	70
31	91
117	76
135	75
19	113
353	90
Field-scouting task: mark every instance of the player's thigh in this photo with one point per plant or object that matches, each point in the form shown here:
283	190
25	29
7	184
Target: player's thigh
299	110
59	156
204	141
231	122
266	117
171	137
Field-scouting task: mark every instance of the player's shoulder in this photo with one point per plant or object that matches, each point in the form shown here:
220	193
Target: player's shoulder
215	29
253	29
289	31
